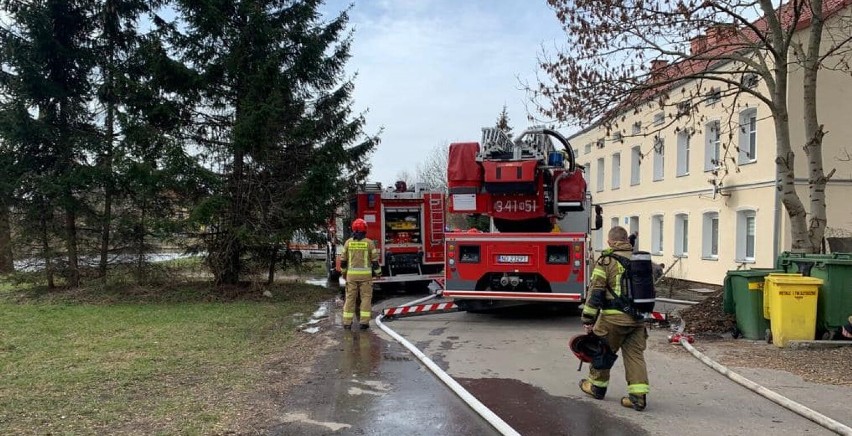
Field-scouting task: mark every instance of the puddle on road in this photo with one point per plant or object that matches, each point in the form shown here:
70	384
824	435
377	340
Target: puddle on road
361	353
511	400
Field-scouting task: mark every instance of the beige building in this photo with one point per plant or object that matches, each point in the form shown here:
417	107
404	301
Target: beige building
700	189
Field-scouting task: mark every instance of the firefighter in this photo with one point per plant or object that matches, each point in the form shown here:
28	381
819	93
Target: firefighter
617	329
359	264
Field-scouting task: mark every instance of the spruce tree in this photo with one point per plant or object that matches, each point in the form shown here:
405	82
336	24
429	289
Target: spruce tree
47	65
274	114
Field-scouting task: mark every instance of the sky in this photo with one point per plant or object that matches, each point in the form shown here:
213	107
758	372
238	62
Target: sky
431	72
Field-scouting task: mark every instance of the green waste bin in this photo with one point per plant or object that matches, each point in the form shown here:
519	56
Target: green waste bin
743	297
834	301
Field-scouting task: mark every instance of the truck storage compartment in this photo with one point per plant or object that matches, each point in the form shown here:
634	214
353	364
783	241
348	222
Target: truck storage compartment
572	191
402	226
464	173
513	177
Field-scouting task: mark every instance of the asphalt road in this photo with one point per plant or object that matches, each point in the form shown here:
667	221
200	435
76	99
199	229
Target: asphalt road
518	365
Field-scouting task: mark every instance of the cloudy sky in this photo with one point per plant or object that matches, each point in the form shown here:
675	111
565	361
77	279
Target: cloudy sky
437	71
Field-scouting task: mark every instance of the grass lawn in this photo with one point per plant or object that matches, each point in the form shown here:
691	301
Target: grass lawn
179	359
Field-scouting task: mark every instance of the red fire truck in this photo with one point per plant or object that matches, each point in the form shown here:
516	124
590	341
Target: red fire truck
541	214
407	224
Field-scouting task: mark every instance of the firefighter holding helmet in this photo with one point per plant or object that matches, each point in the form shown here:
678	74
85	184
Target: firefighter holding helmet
359	264
606	319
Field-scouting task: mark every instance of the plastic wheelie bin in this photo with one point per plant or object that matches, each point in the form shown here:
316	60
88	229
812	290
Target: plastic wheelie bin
834	304
791	300
743	297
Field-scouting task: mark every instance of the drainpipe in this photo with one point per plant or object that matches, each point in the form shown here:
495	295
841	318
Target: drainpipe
776	241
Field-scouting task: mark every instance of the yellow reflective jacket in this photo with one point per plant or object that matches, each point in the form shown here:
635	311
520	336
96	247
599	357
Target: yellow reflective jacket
359	256
606	276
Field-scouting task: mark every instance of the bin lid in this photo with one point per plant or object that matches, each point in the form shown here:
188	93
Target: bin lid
793	279
754	272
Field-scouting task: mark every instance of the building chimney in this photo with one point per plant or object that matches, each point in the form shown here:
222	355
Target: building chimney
720	34
698	45
658	64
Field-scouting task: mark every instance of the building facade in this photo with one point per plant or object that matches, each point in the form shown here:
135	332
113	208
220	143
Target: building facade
701	188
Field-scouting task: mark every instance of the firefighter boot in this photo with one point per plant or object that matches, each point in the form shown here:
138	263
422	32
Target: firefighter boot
634	401
591	390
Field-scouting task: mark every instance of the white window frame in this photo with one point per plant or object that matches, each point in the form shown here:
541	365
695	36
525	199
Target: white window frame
659	118
743	217
683	138
659	159
681	248
635	165
588	148
710	236
713	96
616	171
712	145
748	136
598	239
637	128
613	222
657	232
601	175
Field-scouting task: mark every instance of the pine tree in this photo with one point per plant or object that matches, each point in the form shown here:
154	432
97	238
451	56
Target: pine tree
275	112
503	122
48	63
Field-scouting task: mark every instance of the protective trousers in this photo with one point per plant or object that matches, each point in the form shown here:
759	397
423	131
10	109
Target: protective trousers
631	340
354	289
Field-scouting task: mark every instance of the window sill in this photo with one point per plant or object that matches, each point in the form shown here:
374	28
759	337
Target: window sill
686	174
635	184
659	180
615	188
714	259
682	256
657	253
748	162
744	261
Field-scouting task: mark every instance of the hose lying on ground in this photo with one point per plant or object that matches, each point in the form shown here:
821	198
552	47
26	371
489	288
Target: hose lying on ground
811	414
486	413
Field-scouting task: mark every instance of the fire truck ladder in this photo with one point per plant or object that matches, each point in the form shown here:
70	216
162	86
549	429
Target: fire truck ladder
436	218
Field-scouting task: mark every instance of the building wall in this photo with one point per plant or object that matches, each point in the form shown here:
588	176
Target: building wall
746	186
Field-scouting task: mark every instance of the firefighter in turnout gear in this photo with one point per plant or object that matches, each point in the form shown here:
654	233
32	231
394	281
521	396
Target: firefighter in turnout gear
359	264
617	329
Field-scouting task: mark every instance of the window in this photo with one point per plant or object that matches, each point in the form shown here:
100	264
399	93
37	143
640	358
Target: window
657	234
749	80
576	152
712	146
616	171
588	148
745	235
659	118
598	239
681	234
600	143
600	174
617	137
635	162
613	222
637	128
683	108
683	153
713	96
710	236
748	136
659	159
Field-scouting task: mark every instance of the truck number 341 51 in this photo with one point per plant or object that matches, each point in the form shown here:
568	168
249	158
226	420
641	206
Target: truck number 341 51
501	206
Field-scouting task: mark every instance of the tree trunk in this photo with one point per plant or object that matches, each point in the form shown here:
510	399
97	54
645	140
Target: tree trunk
814	133
140	242
232	246
7	261
273	260
106	225
71	246
45	247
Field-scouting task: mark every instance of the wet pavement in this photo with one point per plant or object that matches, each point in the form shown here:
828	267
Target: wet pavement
365	385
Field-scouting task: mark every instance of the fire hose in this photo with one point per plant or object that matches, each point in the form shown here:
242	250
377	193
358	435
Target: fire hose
483	411
785	402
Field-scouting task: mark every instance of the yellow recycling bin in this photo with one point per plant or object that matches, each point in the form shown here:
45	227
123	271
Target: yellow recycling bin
791	303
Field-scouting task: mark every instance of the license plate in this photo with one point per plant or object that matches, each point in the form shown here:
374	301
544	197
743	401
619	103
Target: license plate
504	258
